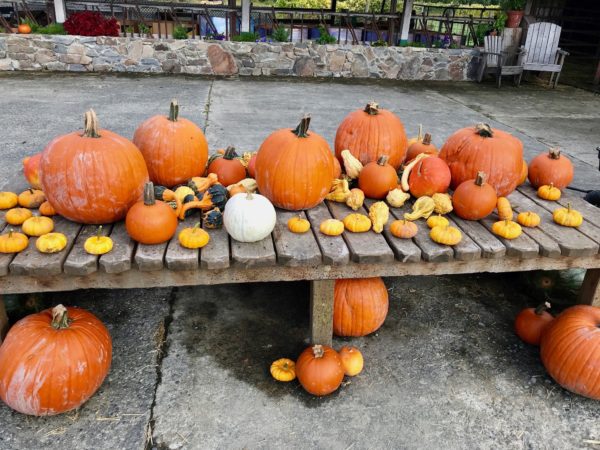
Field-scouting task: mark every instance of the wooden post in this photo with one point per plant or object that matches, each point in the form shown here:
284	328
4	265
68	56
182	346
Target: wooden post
3	320
590	289
405	25
60	11
245	16
321	311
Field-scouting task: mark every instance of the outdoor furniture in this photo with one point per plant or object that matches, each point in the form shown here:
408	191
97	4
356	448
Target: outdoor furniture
541	52
285	256
498	60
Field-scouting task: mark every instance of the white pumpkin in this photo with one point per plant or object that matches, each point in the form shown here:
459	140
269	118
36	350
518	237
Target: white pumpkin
249	217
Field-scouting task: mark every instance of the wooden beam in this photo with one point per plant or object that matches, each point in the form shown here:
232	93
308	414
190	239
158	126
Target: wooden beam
405	24
590	289
321	312
3	320
245	16
60	11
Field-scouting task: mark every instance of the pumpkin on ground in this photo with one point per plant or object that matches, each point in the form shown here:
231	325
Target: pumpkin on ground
377	179
54	361
371	133
474	199
531	322
484	149
8	200
228	167
31	170
294	168
283	369
360	306
319	370
429	176
352	360
249	217
570	350
13	242
92	177
551	168
423	146
151	221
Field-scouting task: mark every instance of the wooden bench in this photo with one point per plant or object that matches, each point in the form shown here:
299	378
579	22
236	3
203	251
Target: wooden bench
285	256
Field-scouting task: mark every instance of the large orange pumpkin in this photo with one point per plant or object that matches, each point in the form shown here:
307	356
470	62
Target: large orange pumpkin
174	148
294	168
151	221
93	176
550	168
371	133
31	170
482	148
360	306
319	370
53	361
474	199
429	176
570	350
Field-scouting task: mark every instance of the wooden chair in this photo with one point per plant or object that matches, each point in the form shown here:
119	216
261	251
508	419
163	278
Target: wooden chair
498	60
541	52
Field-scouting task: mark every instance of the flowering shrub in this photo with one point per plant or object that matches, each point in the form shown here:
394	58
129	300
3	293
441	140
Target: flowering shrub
89	23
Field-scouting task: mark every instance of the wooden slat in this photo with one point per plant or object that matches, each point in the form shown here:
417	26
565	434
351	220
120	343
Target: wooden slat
369	247
32	262
181	258
294	249
523	247
149	257
467	249
215	255
119	259
253	254
333	248
80	262
491	247
5	258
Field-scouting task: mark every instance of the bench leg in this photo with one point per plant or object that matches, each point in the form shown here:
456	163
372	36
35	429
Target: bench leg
590	289
3	320
321	311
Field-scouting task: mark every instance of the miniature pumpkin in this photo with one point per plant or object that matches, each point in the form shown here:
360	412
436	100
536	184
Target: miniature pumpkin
442	202
339	192
249	217
569	350
474	199
417	138
355	199
92	177
528	219
193	237
548	192
298	225
24	28
567	217
319	370
332	227
437	221
229	168
397	197
16	216
357	223
31	198
352	360
37	225
360	306
31	170
294	158
46	209
377	178
13	242
213	218
51	243
98	244
371	133
53	361
531	322
483	149
150	221
507	229
445	235
550	168
201	184
504	209
524	172
423	207
423	146
352	166
379	213
8	200
403	229
429	176
283	369
174	148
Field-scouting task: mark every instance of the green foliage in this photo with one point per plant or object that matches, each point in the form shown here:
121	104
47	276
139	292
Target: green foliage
325	37
144	29
280	34
379	43
412	44
307	4
245	36
512	5
361	5
129	29
53	28
180	32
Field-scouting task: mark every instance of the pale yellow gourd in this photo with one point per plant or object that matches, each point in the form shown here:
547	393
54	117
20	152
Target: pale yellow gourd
423	207
436	221
355	199
352	166
379	213
397	197
443	203
339	191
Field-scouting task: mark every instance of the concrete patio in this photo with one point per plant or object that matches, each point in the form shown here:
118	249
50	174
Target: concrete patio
190	366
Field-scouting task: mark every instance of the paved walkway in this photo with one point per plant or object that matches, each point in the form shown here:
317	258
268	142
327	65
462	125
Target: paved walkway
190	366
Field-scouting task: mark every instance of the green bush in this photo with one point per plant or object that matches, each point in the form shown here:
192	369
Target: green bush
53	28
325	37
180	32
245	36
280	34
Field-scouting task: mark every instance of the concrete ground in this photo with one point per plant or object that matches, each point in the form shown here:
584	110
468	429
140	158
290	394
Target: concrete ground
190	366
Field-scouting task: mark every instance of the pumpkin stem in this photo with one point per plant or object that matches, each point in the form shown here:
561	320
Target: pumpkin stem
10	233
249	196
383	159
484	130
196	227
541	308
554	153
427	139
480	180
302	129
230	153
99	232
318	351
373	109
174	111
60	318
149	198
90	128
569	207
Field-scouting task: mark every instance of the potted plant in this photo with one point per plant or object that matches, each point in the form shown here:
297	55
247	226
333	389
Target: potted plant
514	10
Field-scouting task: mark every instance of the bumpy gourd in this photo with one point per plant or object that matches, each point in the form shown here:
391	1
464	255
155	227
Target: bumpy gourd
504	209
200	184
443	203
445	235
339	191
423	207
403	229
352	165
567	217
436	221
528	219
549	192
51	243
355	199
379	213
332	227
357	223
397	197
507	229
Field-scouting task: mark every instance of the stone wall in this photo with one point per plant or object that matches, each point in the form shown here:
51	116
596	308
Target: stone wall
307	59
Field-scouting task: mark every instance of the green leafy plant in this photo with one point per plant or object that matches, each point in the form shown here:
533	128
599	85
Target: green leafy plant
379	43
280	34
129	29
512	5
143	28
245	36
53	28
180	32
325	37
2	30
500	21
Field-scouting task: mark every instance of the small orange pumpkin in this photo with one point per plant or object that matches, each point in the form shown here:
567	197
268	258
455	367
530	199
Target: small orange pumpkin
376	179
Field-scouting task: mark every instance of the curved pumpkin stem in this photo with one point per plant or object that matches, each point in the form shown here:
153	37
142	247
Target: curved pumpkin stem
426	139
302	129
90	125
480	180
372	109
383	159
174	111
541	308
484	130
230	153
60	318
554	153
149	198
318	351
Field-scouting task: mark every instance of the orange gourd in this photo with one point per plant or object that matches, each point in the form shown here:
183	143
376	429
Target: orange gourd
46	209
429	176
376	179
228	168
319	370
424	146
551	168
474	199
151	221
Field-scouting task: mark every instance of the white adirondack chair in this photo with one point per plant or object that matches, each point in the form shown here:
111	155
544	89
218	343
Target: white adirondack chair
541	52
496	58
